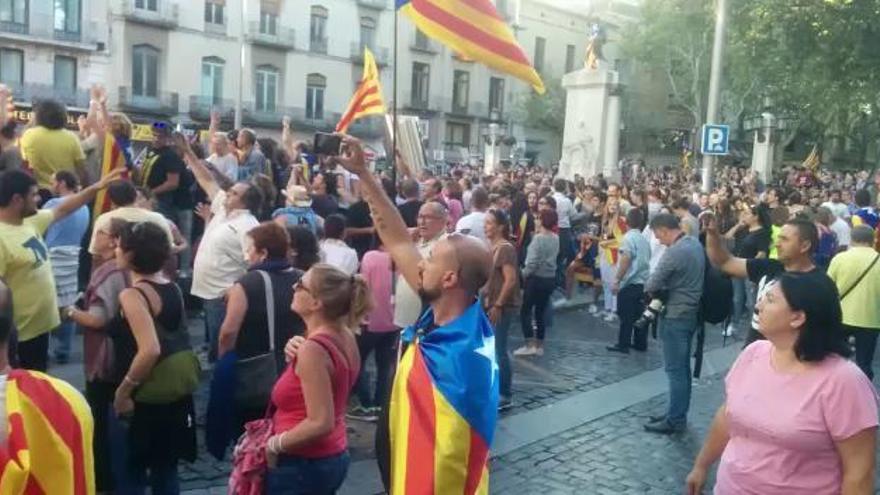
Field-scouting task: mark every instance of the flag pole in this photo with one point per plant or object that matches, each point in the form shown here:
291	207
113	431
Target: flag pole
394	105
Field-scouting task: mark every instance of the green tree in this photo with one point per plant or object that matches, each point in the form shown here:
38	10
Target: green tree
545	111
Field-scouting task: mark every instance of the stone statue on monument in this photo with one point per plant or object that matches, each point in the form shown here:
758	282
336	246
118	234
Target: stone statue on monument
578	157
594	47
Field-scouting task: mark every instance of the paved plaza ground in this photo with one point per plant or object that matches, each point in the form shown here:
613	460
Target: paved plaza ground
576	427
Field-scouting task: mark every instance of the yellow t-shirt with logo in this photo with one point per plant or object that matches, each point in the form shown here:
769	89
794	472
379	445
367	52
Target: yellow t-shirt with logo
50	150
860	307
24	265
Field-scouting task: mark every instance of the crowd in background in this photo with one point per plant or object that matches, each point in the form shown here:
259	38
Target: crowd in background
275	248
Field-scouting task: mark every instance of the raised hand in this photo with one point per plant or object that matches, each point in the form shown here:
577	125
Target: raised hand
352	156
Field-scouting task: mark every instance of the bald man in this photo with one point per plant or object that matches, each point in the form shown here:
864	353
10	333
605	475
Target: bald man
447	280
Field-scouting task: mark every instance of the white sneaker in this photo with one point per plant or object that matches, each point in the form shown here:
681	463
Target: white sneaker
561	303
609	316
729	331
525	351
593	309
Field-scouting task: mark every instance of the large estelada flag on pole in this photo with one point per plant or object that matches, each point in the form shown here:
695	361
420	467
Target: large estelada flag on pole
49	444
117	154
367	99
444	406
473	29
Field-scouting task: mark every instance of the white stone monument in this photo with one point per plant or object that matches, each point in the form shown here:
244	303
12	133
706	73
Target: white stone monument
764	151
591	138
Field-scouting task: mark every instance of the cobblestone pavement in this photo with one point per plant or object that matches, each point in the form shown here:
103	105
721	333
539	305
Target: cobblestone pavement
613	455
575	361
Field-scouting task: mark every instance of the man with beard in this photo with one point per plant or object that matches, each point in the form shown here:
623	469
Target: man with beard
24	259
452	340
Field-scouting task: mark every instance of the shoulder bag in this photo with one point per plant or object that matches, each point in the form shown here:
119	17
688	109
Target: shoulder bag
255	376
864	273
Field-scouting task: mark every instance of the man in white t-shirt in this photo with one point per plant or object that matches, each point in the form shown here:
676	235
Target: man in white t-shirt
222	157
836	205
334	250
220	262
474	223
433	217
842	229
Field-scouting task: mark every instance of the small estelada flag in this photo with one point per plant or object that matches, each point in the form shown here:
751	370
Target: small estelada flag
367	99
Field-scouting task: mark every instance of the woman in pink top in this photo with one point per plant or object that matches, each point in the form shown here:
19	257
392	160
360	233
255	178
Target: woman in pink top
308	452
379	335
798	418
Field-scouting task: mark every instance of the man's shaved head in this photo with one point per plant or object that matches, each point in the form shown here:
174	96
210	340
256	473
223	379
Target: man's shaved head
456	262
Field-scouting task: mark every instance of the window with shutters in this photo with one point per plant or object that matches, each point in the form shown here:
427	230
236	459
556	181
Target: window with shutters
145	71
315	86
267	88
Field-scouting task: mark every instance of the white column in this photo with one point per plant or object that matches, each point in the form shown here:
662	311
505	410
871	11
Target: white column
491	151
612	136
763	153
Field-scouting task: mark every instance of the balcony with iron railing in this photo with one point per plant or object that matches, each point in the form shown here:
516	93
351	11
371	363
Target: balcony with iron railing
372	126
41	30
473	109
200	107
373	4
413	102
379	53
318	45
282	37
165	16
425	45
272	116
163	103
32	92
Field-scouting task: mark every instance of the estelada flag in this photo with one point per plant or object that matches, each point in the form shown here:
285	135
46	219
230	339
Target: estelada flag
444	405
117	154
367	99
49	447
473	29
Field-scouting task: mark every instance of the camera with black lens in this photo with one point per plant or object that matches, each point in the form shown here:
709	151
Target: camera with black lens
653	309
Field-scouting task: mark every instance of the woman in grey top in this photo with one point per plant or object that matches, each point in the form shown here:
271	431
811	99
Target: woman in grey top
539	275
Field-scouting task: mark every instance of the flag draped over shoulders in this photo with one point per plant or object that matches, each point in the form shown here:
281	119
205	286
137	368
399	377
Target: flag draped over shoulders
444	406
49	445
117	154
474	30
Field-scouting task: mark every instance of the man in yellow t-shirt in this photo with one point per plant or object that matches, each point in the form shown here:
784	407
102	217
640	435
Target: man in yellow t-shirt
49	147
861	313
24	260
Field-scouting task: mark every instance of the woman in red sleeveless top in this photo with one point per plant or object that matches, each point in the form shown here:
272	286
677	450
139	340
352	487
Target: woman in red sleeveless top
308	451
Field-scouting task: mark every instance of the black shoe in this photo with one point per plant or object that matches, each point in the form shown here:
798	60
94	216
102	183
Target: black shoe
617	348
504	403
663	428
657	419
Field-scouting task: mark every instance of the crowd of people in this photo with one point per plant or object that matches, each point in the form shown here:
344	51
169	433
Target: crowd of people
302	266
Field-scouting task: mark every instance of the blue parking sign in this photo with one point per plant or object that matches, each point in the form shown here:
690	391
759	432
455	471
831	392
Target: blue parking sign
716	139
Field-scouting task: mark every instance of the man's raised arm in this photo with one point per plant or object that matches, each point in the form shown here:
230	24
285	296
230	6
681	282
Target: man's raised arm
717	251
389	223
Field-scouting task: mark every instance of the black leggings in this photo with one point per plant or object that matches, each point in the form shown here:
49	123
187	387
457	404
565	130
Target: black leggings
535	298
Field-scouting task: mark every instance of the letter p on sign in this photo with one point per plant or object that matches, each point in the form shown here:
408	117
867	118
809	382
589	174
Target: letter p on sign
715	139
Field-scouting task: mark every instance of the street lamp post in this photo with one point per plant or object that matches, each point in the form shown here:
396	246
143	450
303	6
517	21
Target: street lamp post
715	86
241	67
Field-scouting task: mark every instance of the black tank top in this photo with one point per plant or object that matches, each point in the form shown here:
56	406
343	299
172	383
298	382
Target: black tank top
169	322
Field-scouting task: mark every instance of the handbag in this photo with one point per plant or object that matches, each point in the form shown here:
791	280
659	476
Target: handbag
249	463
255	376
858	280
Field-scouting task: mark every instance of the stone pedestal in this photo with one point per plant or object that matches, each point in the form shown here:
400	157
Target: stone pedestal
764	151
591	139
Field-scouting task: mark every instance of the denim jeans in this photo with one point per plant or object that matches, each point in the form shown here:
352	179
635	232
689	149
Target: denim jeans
630	306
215	313
866	344
739	311
301	476
62	339
677	335
535	298
501	356
185	225
162	478
384	344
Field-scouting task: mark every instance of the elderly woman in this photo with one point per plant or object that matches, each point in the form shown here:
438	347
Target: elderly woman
308	452
798	417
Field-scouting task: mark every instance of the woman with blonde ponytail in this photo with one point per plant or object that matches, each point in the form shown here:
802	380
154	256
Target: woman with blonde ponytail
307	453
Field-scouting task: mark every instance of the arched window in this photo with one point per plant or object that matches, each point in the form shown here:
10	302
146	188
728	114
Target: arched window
267	88
212	80
145	71
315	86
318	29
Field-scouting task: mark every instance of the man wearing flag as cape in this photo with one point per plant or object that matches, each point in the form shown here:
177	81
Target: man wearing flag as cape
444	399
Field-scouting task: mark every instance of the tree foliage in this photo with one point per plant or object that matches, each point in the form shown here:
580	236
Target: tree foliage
545	111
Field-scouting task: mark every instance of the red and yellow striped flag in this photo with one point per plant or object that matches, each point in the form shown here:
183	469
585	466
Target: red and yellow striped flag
367	100
473	29
49	449
116	155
